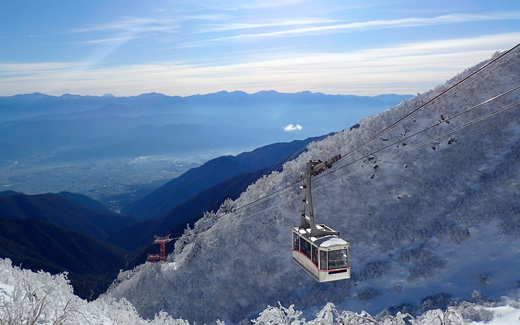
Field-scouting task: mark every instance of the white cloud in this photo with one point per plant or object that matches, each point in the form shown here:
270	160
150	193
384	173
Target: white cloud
291	127
354	26
245	5
268	4
116	40
264	24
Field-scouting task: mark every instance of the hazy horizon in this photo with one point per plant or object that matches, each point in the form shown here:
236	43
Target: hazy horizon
203	94
187	47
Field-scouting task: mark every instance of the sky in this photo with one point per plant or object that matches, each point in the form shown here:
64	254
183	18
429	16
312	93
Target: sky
186	47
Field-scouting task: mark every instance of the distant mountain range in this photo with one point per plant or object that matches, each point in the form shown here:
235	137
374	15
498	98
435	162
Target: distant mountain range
116	149
66	106
78	128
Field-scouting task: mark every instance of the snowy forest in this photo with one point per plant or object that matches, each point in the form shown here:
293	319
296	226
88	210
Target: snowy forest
40	298
426	193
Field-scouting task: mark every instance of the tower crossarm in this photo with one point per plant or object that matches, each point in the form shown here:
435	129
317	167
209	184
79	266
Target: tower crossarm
162	241
314	167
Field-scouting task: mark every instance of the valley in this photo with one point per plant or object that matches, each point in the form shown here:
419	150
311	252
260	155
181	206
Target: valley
113	182
118	149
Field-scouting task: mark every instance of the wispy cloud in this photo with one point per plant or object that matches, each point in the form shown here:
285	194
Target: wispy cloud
355	26
118	40
133	24
404	68
268	3
230	5
205	17
31	69
280	23
124	30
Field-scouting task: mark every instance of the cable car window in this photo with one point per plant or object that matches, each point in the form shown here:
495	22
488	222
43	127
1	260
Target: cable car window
314	255
296	242
323	260
338	259
305	248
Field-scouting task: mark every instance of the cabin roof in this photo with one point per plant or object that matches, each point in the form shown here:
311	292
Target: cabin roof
322	241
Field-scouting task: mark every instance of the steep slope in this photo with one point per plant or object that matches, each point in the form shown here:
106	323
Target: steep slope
187	213
62	232
88	202
69	211
39	245
217	170
429	217
203	198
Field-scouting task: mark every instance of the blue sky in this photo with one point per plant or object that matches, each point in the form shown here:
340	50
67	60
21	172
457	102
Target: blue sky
187	47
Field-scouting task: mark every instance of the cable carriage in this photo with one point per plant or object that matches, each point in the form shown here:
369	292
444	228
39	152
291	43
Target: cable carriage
317	248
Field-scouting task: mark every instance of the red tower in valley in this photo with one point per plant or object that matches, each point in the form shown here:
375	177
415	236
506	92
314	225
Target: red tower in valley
162	241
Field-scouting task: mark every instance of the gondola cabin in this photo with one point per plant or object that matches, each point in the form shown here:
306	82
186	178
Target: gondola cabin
325	257
316	247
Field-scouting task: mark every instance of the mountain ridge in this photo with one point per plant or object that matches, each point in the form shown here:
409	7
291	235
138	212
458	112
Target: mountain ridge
40	245
209	174
58	209
202	189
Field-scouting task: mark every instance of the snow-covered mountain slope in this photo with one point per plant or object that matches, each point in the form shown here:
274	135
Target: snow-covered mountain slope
428	217
40	298
27	297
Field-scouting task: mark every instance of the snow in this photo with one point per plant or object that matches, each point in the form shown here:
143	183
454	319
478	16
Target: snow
28	297
503	315
334	241
21	302
6	291
486	258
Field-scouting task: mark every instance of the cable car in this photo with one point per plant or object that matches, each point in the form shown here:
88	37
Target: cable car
318	249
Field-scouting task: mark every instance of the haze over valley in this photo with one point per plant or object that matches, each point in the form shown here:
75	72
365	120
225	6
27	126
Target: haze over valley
115	149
